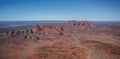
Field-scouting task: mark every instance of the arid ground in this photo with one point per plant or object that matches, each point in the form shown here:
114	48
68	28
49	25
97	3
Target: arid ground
70	40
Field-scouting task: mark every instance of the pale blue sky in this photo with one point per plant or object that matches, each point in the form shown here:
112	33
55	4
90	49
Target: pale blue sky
96	10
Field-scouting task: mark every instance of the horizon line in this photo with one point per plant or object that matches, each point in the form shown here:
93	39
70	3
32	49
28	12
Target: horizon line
59	20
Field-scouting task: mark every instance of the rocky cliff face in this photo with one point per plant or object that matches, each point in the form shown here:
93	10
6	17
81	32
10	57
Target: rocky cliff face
85	25
82	25
46	30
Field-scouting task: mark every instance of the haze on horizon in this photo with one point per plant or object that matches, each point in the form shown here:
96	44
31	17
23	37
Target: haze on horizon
30	10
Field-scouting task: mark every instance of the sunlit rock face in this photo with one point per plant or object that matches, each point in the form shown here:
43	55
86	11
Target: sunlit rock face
52	29
85	25
81	25
36	29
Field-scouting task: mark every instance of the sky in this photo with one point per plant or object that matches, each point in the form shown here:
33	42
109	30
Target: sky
30	10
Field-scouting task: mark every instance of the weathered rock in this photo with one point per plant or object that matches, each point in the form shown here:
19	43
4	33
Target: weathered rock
72	23
52	29
16	33
10	33
83	25
57	27
36	29
45	32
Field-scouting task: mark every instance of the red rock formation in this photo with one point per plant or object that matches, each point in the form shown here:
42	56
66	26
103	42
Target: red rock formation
45	32
16	33
56	27
71	23
51	30
85	25
46	42
36	29
10	33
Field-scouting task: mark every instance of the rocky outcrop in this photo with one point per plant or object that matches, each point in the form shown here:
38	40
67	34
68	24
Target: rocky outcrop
71	23
25	31
82	25
10	33
36	29
46	42
16	33
46	30
53	29
86	23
